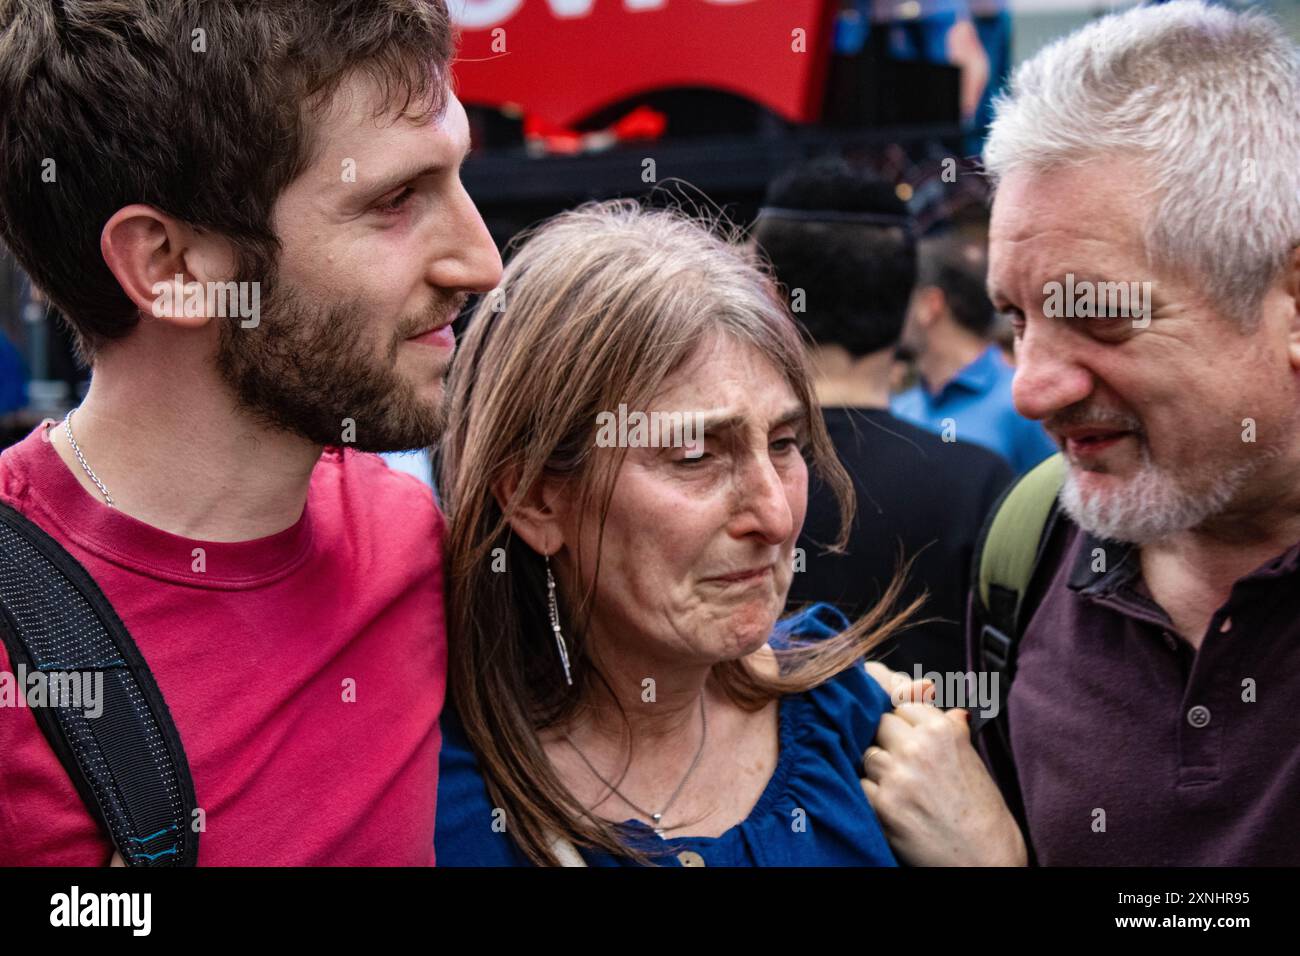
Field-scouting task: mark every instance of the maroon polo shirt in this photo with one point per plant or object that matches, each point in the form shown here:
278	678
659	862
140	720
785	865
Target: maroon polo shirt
1130	747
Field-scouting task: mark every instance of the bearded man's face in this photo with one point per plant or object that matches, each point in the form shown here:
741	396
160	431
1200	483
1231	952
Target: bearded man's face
381	245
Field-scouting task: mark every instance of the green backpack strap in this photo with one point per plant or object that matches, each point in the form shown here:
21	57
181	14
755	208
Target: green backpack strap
1010	550
1005	560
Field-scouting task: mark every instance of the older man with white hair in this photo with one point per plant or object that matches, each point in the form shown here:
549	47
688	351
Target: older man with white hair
1152	718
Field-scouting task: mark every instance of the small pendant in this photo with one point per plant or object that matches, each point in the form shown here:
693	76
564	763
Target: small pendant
656	817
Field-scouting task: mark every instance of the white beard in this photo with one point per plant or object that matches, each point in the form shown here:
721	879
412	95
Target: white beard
1152	504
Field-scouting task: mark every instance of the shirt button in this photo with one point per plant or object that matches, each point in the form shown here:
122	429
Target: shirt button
1198	716
690	858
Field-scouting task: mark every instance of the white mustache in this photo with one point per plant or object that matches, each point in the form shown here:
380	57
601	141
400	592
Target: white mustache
1093	417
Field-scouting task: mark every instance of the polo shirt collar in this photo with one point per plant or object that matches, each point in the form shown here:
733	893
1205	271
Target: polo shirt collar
982	374
1282	565
1118	585
1121	566
1118	569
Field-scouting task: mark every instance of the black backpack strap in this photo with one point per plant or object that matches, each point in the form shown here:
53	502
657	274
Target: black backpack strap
126	761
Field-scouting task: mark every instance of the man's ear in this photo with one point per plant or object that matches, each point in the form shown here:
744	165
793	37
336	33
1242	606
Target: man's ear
929	303
146	250
538	516
1293	290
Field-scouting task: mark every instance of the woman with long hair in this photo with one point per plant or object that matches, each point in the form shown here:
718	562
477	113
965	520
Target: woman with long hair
621	689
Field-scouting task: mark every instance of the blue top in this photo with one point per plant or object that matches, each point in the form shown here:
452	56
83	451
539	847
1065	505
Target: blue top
977	404
917	29
13	377
812	812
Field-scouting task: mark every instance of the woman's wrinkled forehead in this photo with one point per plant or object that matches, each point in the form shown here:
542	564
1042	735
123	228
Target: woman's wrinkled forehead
730	382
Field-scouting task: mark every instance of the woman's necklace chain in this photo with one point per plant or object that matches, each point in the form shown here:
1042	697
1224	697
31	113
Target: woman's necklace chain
655	818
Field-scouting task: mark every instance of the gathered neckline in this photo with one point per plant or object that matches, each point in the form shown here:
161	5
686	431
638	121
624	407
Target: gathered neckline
776	788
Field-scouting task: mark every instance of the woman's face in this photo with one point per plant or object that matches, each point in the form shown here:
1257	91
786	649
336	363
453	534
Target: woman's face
697	552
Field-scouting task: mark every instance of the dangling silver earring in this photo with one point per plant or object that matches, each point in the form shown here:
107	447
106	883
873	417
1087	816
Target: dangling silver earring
555	621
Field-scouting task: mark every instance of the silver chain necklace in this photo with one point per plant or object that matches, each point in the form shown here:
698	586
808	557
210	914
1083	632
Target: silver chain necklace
655	818
76	450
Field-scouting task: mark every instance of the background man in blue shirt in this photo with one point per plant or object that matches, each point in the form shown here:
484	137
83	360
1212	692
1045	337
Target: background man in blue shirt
964	392
13	377
843	239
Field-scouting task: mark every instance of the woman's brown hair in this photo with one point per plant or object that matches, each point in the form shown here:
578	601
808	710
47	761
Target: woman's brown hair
595	308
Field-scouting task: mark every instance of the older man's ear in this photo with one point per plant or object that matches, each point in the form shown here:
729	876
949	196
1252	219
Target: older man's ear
1293	288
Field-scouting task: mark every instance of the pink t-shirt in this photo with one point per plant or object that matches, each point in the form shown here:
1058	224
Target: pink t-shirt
304	671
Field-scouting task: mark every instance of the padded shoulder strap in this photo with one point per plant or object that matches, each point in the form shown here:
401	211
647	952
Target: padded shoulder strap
100	708
1005	559
1011	546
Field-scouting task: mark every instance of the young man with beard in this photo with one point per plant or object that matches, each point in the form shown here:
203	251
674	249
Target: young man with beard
288	600
1151	718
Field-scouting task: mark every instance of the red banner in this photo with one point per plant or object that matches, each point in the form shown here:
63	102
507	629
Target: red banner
561	60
